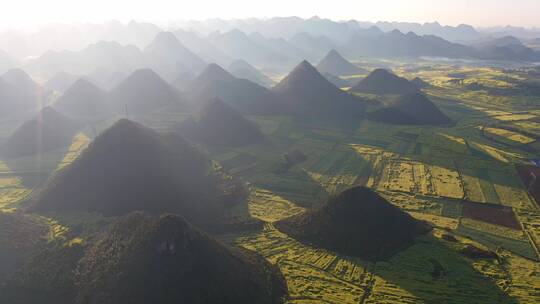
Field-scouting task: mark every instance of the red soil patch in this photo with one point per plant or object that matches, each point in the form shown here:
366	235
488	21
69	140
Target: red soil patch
492	214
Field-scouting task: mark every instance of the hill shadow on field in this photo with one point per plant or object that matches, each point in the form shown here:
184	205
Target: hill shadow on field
36	168
435	272
439	153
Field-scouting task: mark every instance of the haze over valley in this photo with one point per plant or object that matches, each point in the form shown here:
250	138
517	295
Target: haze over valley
255	158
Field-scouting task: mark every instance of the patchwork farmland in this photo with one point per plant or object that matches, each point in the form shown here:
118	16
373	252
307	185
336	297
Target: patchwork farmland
471	180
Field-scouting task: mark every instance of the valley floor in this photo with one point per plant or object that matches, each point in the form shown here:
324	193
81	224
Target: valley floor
437	174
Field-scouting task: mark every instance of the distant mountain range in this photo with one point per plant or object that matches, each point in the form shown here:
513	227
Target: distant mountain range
192	33
462	32
25	44
280	40
287	27
101	55
270	44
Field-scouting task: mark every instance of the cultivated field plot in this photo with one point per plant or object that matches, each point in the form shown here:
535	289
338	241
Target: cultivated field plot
430	271
431	172
270	207
493	214
19	175
531	224
340	168
507	136
162	120
12	189
497	237
313	275
80	142
528	126
427	171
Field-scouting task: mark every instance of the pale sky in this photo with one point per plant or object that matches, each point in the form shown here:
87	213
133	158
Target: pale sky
23	13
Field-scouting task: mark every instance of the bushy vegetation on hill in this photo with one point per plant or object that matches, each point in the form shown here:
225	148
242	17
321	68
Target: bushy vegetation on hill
146	259
307	94
184	264
411	109
357	222
19	236
130	167
382	81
